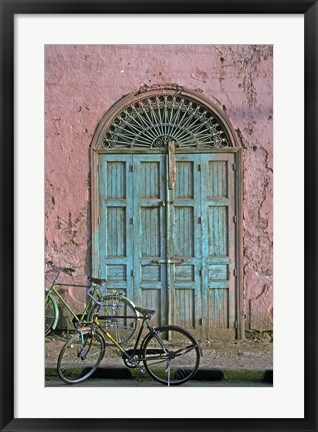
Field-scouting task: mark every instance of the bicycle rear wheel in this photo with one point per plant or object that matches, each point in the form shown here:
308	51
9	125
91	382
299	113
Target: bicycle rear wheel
80	356
51	313
117	316
172	355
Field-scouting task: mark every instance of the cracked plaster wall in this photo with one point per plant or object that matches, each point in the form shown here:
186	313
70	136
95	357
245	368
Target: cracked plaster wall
83	82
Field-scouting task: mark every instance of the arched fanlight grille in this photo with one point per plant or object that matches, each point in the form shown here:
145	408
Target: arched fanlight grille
151	122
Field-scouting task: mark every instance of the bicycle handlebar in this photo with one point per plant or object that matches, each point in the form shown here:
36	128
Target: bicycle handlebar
93	298
66	270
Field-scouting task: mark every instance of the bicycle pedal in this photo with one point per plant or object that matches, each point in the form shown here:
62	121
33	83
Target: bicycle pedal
142	369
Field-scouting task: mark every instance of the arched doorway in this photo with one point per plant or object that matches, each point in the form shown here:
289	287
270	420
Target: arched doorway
165	201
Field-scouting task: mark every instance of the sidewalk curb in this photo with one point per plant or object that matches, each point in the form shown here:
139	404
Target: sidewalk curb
203	374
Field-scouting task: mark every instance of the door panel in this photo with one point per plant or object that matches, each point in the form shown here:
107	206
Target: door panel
218	258
149	239
172	250
184	235
115	230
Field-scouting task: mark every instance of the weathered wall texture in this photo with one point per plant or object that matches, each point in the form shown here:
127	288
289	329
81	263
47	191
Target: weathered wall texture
83	82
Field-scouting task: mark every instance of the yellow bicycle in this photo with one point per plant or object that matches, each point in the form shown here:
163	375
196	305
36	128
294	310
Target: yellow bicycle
169	353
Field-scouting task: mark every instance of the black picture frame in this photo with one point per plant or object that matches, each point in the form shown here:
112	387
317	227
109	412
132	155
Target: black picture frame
9	8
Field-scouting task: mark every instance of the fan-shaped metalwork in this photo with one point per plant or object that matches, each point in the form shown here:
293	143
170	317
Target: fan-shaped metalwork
153	121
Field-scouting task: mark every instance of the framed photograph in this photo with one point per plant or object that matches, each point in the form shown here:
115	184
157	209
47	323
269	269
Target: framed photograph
164	153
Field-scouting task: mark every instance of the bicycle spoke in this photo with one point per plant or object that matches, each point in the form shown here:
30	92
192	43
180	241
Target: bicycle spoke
184	350
179	363
80	357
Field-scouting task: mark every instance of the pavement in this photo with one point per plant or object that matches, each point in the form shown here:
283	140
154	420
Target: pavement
235	361
203	374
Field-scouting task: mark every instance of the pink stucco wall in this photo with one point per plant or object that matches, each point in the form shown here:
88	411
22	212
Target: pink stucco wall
84	81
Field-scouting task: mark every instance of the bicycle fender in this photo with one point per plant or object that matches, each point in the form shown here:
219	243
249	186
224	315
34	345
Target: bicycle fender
170	327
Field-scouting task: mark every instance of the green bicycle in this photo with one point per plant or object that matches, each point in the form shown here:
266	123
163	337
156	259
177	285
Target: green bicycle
113	304
169	353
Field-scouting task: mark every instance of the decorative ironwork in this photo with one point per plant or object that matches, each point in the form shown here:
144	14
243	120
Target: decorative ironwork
152	122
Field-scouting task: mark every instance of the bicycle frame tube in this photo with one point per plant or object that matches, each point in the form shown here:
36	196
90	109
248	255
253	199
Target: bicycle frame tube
161	343
53	289
109	336
152	331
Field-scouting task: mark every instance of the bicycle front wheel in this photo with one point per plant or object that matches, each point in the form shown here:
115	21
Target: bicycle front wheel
51	313
80	356
117	316
171	355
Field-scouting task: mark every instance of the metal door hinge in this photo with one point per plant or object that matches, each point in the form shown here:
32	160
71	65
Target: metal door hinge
234	167
235	324
132	220
132	168
133	273
200	220
98	220
234	219
234	272
200	273
98	167
199	167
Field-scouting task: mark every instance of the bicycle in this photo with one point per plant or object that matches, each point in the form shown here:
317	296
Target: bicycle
113	304
169	353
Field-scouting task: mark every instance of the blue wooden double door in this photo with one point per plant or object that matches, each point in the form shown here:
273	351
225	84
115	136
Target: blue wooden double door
172	250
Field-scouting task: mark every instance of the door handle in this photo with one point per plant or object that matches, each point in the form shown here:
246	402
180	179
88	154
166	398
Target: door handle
162	203
168	261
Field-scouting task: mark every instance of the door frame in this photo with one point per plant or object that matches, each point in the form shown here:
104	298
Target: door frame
96	150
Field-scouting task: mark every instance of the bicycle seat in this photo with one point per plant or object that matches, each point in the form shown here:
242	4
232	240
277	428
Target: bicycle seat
96	280
146	313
